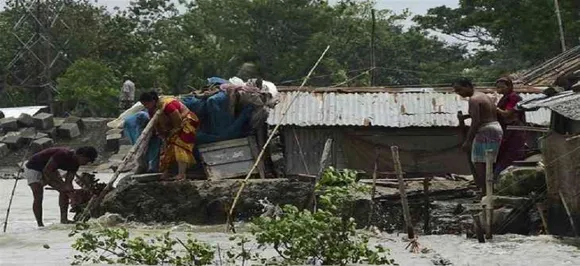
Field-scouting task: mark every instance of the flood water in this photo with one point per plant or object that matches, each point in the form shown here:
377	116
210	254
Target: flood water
23	243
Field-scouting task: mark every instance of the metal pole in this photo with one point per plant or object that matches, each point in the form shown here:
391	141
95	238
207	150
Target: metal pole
562	40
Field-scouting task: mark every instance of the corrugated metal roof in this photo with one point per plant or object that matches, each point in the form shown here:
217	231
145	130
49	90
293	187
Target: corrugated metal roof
546	73
379	109
566	103
16	111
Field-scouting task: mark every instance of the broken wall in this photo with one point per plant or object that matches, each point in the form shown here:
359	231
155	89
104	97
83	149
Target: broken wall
434	150
562	164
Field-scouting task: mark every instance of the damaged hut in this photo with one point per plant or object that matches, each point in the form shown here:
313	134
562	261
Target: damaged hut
422	122
561	146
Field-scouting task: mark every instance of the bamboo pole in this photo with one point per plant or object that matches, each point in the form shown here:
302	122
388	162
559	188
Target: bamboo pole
229	221
324	162
568	213
402	192
374	188
427	203
489	193
20	170
139	147
541	210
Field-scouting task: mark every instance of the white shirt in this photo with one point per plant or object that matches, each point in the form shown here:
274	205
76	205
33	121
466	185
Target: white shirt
128	91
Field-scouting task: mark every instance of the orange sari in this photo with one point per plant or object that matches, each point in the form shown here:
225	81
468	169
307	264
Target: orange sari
178	146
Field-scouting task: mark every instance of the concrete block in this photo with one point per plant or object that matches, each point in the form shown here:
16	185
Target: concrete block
58	122
4	150
43	121
9	124
14	142
51	132
124	149
115	131
41	144
113	142
75	120
40	135
25	120
68	131
28	134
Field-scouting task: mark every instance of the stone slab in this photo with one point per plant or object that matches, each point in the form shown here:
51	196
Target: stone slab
4	150
25	120
51	132
68	131
14	142
58	122
115	131
28	134
75	120
113	142
41	144
43	121
41	135
9	124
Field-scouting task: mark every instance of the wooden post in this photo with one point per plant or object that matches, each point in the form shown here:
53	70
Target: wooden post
541	211
426	184
324	162
137	149
478	228
463	133
559	17
374	188
569	214
488	203
402	192
373	63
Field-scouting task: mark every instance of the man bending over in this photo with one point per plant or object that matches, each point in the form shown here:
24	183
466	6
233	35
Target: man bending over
42	169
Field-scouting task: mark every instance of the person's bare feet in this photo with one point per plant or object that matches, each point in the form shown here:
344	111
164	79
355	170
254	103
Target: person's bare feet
40	224
67	221
180	177
165	177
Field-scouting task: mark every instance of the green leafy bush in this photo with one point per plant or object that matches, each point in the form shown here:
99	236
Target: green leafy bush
325	235
115	246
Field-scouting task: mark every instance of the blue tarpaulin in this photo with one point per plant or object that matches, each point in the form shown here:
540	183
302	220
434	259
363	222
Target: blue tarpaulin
133	126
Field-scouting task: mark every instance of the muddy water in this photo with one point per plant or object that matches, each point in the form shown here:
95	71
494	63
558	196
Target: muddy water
23	243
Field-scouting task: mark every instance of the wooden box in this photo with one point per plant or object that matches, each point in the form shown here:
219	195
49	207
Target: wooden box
231	158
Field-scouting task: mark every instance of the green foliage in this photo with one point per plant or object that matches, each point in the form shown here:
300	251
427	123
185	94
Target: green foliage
90	83
324	235
520	33
115	246
521	183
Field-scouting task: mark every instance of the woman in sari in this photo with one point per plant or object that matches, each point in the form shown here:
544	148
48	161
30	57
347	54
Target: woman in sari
512	147
177	126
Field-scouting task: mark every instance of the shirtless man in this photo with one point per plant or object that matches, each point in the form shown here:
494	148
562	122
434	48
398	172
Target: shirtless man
42	169
485	132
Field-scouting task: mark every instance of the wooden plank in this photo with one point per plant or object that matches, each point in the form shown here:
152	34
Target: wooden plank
223	145
227	155
527	128
253	145
231	170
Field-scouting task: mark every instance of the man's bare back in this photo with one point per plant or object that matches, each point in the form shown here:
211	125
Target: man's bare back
482	108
